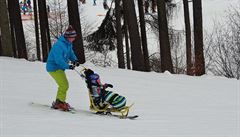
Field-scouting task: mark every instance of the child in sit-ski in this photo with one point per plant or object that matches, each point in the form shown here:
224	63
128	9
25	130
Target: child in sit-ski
102	97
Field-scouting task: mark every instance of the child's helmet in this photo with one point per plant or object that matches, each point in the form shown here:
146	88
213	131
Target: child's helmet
94	78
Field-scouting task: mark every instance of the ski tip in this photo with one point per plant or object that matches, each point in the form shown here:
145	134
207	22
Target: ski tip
132	117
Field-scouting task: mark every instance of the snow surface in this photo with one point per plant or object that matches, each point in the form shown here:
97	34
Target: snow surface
168	105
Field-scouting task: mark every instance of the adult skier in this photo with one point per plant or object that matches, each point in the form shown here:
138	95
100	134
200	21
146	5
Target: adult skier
60	55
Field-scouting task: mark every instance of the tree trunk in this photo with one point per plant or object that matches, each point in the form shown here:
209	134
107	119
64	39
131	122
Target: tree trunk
188	37
18	27
45	37
0	43
198	38
146	6
136	51
154	6
18	39
120	54
127	47
5	27
11	10
143	35
74	20
36	29
126	38
166	60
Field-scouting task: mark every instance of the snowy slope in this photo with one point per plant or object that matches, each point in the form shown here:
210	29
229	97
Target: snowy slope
168	105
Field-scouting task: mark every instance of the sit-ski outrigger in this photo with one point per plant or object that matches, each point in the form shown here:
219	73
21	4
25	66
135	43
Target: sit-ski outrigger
109	107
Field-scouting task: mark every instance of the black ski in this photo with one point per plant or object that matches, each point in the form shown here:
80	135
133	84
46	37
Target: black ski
132	117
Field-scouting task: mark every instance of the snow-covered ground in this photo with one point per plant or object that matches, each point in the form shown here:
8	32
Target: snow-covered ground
168	105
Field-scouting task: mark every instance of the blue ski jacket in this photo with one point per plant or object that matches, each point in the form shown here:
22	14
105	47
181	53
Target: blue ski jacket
60	54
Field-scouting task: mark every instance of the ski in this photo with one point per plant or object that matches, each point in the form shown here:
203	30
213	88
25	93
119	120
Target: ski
72	110
131	117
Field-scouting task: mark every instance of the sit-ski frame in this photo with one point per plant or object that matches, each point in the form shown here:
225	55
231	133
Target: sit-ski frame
123	112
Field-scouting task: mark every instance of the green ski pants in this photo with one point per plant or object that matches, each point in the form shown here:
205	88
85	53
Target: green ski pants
60	78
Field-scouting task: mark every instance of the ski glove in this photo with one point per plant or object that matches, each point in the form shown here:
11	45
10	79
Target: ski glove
71	67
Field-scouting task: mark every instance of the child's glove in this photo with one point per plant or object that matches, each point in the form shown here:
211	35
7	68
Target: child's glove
108	85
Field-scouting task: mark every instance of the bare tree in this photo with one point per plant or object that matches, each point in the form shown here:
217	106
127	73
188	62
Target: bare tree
198	38
103	59
58	21
223	51
177	50
155	62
